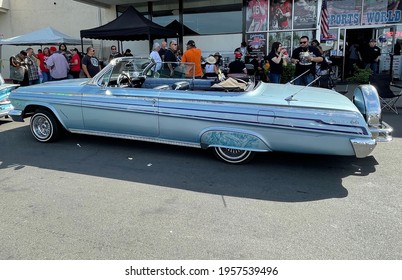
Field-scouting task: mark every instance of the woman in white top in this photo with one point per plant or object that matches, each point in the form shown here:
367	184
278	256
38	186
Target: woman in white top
211	69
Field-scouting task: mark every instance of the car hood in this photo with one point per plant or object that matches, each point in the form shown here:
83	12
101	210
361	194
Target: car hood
68	85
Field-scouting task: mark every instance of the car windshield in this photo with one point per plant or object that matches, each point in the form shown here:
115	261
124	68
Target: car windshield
137	69
132	67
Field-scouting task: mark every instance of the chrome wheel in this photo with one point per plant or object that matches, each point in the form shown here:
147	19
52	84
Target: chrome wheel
234	156
44	126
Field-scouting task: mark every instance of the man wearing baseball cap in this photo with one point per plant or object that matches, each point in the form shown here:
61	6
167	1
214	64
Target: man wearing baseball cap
371	56
193	54
57	65
237	66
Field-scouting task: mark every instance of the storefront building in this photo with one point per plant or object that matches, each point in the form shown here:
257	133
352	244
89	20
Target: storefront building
262	22
221	25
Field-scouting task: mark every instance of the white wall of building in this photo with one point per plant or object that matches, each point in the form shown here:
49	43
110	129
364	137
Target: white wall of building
67	16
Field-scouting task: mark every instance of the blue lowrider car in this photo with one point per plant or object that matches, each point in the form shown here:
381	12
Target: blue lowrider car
5	103
128	99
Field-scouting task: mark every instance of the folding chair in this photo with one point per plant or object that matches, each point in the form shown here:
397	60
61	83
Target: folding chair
388	96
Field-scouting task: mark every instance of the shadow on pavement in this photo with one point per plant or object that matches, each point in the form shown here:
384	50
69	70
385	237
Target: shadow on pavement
271	176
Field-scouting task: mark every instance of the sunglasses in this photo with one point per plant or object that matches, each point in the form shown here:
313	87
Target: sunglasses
303	42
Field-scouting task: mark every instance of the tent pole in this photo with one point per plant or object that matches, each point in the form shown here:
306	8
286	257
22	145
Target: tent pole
150	42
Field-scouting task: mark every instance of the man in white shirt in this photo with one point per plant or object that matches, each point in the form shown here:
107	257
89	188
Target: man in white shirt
57	64
156	57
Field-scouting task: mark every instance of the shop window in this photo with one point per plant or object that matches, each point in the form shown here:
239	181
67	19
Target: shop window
208	17
285	38
214	23
298	34
280	15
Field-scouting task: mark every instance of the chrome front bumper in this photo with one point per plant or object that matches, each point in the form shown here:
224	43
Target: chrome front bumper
16	115
363	147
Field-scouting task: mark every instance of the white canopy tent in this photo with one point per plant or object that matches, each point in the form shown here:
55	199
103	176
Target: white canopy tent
44	36
40	37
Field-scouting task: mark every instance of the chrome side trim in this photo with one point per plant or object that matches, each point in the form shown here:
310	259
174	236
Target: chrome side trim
136	137
363	147
382	133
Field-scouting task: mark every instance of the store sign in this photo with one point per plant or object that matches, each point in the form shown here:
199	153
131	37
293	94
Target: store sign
383	17
344	19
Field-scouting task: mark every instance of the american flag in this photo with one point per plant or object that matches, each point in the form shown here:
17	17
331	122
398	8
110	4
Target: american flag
324	20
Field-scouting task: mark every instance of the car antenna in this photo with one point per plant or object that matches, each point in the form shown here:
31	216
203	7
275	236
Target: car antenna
290	98
291	82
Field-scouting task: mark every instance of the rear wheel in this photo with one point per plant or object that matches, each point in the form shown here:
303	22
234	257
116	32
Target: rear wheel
234	156
44	126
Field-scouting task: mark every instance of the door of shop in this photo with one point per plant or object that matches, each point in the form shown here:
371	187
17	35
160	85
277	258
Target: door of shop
359	38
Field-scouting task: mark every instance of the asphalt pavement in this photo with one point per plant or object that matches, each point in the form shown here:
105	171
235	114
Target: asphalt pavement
87	197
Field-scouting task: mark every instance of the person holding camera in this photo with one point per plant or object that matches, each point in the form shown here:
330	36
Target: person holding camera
276	58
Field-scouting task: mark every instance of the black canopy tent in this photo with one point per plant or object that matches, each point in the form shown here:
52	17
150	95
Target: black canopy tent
181	28
131	25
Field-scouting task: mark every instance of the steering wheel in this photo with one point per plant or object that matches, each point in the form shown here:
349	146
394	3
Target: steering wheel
123	76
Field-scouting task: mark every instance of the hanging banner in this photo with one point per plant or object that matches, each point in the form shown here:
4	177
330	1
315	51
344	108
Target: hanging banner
257	43
381	12
344	12
280	15
305	14
256	15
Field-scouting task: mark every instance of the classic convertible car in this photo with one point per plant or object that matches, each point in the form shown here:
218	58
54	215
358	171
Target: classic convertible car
128	99
5	104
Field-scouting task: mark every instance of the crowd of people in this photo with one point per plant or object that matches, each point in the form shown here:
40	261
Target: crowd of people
55	64
52	64
49	64
268	68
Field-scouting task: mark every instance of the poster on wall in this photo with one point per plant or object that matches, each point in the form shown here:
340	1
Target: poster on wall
381	12
344	12
280	15
305	14
256	15
257	43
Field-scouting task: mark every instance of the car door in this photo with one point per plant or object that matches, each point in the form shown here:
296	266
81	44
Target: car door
114	110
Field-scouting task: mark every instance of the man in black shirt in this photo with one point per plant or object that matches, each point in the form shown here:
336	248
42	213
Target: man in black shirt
90	64
162	50
371	56
170	59
305	57
237	66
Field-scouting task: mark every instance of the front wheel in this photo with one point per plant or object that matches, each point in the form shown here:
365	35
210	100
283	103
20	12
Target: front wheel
44	126
234	156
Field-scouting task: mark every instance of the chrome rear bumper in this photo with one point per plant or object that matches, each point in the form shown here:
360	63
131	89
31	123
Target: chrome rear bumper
383	133
363	147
